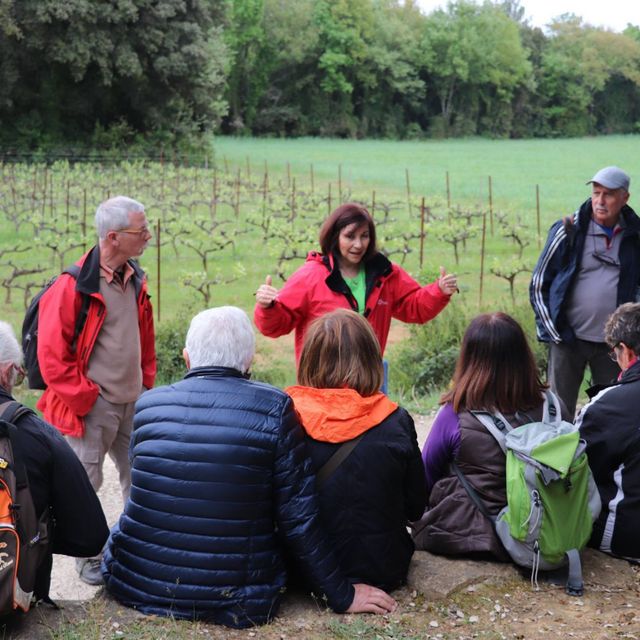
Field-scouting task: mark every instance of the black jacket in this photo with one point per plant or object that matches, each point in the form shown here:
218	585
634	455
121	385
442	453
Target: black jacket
610	424
559	262
59	482
367	502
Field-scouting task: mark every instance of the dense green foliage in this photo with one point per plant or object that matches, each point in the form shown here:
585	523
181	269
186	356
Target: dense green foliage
160	72
106	71
381	68
425	363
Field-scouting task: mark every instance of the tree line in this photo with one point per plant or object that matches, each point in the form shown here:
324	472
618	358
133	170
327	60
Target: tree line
113	71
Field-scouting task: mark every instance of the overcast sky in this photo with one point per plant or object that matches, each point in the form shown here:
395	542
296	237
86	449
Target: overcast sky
613	14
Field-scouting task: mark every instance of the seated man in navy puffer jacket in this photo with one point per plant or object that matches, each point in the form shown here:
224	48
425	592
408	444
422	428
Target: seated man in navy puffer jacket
220	481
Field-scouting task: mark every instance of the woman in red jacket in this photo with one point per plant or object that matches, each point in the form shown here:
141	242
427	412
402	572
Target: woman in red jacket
348	273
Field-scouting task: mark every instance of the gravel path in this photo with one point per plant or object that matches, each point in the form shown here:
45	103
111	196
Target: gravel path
65	583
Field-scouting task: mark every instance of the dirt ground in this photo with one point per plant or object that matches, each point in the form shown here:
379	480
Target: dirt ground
444	599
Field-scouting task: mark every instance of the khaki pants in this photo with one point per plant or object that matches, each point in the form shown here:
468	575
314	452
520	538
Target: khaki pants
107	430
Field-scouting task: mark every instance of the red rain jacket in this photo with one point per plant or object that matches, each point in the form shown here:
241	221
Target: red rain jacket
70	394
317	288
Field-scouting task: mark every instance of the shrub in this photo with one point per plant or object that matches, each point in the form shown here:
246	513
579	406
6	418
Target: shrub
170	337
425	362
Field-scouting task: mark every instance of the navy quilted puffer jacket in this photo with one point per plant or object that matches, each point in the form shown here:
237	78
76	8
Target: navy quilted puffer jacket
220	480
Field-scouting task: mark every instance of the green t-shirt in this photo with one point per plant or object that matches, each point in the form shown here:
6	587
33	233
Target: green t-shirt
358	289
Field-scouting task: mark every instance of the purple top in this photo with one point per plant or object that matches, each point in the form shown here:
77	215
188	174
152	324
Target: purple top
442	445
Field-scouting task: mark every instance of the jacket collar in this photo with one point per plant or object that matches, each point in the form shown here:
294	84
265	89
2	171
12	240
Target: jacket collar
216	372
5	396
631	374
88	281
375	267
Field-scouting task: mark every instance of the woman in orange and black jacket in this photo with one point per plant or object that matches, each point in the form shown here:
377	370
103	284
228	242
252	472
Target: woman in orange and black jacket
367	501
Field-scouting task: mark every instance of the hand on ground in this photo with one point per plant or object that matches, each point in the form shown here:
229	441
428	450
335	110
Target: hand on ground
369	599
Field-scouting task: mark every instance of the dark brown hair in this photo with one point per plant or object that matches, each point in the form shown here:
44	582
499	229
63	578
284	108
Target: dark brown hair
496	370
341	350
342	217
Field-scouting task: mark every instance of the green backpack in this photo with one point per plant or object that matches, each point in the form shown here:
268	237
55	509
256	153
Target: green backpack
552	499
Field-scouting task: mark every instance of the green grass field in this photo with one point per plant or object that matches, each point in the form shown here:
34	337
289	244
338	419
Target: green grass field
559	167
45	209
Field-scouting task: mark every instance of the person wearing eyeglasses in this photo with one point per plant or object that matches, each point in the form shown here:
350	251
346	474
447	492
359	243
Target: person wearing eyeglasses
94	381
610	426
590	265
57	480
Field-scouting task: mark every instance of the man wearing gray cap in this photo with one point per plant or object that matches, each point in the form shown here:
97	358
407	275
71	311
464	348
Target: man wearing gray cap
589	266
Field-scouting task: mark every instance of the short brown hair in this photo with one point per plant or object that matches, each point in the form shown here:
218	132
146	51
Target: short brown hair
623	325
341	350
342	217
496	370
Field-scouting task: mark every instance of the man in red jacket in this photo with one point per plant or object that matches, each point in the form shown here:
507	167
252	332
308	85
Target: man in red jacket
94	381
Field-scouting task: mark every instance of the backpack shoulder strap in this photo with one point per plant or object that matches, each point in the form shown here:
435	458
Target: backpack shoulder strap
551	412
340	455
11	412
497	425
570	229
74	271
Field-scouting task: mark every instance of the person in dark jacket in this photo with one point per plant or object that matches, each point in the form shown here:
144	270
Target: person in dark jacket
368	499
221	485
495	372
57	480
610	425
590	264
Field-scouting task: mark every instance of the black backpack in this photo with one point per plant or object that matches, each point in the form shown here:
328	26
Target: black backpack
25	539
30	330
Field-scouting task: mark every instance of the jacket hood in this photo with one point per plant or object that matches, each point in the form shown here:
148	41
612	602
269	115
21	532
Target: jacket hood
338	415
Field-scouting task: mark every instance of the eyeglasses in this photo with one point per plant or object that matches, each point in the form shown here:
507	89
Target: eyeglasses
142	231
20	375
612	354
605	259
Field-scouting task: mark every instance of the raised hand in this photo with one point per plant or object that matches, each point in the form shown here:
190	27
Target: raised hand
448	282
266	294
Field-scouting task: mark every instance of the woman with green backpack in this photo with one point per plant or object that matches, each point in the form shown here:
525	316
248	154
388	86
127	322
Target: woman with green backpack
495	374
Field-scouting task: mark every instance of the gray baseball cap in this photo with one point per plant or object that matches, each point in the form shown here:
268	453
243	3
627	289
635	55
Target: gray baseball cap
612	178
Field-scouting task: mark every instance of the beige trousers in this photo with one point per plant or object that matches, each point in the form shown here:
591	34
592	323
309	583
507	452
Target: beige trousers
107	430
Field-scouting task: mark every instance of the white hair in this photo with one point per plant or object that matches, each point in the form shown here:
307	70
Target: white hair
221	337
113	214
10	350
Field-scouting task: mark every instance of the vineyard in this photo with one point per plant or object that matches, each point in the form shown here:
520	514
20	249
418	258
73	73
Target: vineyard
214	228
217	232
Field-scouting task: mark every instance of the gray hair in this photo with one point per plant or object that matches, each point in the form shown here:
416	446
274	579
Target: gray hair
113	214
221	337
10	350
623	325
